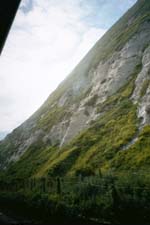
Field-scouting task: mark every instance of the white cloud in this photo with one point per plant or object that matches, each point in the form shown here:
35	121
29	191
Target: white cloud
43	47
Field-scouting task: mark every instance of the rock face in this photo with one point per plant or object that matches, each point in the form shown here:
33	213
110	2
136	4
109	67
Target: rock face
108	67
107	79
141	93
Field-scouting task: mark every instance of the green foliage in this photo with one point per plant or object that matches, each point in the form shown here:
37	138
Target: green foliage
85	171
137	156
30	162
114	198
52	117
51	113
144	87
62	183
91	150
101	142
60	162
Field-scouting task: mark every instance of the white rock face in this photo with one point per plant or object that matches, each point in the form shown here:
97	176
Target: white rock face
24	145
144	101
103	81
77	122
107	79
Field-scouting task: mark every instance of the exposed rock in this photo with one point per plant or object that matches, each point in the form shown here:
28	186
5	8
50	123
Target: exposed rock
116	72
143	76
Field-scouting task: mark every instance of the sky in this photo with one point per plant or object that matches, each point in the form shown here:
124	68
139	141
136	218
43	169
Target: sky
47	40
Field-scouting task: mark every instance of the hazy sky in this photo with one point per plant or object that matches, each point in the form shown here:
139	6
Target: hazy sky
48	38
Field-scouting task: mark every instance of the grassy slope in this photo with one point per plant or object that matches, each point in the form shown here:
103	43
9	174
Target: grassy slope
112	41
109	198
100	146
106	198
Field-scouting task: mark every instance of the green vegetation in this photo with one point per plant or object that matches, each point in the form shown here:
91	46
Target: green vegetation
111	198
91	150
50	113
97	148
145	85
103	173
52	117
137	156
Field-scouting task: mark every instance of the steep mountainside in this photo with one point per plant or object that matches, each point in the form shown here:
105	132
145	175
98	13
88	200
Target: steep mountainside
99	116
